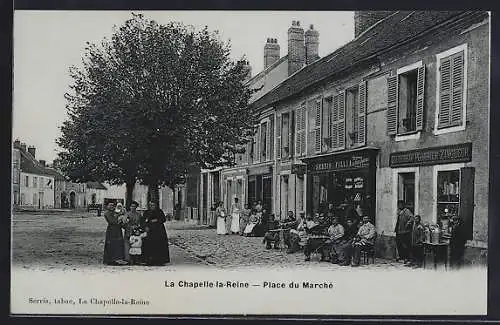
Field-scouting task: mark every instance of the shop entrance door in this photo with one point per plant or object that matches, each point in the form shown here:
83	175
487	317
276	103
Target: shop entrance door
267	193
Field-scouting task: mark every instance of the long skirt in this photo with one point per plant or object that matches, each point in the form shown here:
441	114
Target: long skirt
221	226
126	244
235	222
155	245
114	249
250	228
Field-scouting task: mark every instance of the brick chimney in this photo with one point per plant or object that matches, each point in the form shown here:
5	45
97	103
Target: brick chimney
312	44
365	19
271	52
296	48
23	147
17	143
42	162
32	151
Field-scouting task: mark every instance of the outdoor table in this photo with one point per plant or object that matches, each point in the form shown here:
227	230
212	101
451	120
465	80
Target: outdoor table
282	245
438	251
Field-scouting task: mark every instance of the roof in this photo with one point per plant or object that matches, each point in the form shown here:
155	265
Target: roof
394	30
57	174
267	70
31	165
96	185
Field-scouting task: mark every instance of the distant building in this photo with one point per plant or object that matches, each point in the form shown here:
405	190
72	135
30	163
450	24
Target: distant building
33	184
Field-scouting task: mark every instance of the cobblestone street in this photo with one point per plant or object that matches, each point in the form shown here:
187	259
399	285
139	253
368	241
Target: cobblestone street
70	240
228	251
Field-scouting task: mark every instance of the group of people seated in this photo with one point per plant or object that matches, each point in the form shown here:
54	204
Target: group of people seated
339	240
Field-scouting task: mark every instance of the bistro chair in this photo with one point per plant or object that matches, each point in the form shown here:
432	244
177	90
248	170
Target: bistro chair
368	252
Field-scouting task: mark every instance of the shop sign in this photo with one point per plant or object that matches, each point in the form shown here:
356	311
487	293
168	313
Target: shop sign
299	169
341	164
432	156
259	170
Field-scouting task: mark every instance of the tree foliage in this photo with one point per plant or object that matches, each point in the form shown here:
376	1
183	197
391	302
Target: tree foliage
151	100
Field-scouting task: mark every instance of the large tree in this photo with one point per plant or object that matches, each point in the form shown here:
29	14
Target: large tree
149	102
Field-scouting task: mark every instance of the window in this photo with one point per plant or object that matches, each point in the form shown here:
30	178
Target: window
454	195
35	199
40	185
451	85
35	182
352	114
263	141
284	135
314	126
26	181
405	101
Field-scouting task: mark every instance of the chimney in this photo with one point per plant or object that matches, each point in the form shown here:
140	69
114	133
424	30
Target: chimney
271	52
296	48
31	150
42	162
312	44
17	144
365	19
23	147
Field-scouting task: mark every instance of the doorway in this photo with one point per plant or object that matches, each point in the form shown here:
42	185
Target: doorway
72	200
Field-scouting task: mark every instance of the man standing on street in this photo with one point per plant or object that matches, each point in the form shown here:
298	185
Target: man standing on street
403	232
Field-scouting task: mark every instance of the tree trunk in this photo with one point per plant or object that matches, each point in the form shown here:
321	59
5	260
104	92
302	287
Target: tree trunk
154	193
129	193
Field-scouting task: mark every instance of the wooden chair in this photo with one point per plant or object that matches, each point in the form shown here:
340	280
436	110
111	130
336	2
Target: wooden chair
368	252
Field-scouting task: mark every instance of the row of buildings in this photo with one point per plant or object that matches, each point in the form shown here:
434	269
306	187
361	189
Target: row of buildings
36	185
399	113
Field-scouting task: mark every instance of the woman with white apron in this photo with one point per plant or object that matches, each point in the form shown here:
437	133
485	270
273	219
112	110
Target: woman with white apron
221	219
235	217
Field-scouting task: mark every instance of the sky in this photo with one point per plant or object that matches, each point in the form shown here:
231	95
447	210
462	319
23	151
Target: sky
47	43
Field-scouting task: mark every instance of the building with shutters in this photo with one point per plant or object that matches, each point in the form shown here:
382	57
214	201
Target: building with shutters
253	178
399	113
35	184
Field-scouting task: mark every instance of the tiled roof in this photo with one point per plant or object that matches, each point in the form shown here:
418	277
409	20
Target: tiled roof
30	165
96	185
57	174
395	29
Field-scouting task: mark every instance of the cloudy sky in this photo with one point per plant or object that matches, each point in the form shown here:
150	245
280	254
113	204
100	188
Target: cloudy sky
47	43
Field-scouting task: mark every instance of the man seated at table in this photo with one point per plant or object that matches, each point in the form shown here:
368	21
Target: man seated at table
364	239
344	247
272	235
300	235
288	224
336	233
317	237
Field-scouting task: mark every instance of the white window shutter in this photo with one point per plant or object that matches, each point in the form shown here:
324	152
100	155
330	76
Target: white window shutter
334	142
278	136
444	93
457	62
361	136
420	98
392	105
341	121
317	126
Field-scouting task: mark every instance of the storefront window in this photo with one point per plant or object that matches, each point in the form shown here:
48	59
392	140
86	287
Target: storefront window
448	195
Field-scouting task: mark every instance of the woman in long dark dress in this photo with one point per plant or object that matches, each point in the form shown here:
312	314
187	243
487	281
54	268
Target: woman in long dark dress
156	251
114	250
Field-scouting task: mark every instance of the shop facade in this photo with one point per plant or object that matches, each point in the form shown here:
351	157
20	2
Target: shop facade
260	186
290	188
234	186
343	179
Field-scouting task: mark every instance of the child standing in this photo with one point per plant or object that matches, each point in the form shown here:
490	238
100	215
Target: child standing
135	250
